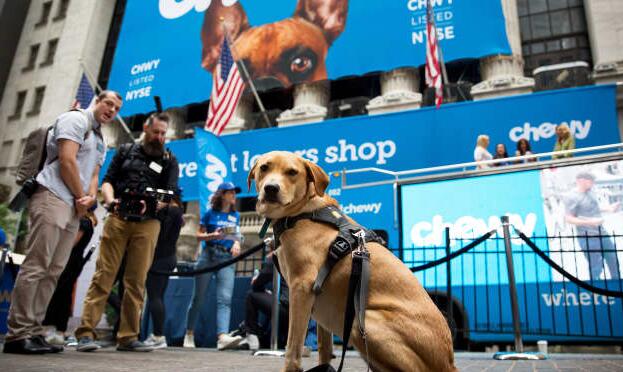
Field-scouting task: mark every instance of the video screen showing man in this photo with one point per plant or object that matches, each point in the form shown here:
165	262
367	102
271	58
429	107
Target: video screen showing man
583	210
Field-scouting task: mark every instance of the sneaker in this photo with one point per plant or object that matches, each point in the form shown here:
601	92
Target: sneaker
135	345
228	342
40	340
189	340
87	344
56	338
157	342
250	342
71	341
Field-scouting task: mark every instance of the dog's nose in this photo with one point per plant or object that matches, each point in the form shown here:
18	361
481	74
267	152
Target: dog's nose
271	189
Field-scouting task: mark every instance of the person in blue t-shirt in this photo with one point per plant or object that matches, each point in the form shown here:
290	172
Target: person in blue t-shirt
220	233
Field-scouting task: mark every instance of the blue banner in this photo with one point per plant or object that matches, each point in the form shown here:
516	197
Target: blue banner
211	161
168	47
416	139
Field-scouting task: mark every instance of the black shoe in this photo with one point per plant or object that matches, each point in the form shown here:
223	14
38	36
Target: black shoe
25	346
40	340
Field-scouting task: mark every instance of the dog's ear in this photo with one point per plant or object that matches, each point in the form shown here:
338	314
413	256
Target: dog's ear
318	176
251	175
329	15
216	19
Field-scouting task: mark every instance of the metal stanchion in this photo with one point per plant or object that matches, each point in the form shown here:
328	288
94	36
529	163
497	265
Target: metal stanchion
449	308
274	318
519	353
274	329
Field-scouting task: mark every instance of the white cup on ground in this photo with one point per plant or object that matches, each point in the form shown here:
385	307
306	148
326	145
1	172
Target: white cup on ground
542	346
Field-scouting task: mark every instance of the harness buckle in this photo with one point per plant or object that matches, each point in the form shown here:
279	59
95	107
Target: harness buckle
360	235
339	248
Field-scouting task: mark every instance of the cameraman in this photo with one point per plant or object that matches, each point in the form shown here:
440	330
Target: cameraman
131	230
67	184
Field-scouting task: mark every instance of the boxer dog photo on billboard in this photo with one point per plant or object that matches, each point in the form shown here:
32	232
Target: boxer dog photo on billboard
279	54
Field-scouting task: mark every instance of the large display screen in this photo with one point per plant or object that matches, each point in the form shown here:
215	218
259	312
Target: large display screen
575	211
169	48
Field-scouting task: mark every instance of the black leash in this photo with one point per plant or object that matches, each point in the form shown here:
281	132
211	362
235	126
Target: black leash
212	268
357	297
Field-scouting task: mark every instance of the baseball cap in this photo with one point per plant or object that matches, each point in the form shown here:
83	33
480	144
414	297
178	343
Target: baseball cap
227	186
585	176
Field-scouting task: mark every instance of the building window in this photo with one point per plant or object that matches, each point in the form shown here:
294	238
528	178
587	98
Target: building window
7	150
36	103
32	57
19	105
45	14
49	57
553	31
62	10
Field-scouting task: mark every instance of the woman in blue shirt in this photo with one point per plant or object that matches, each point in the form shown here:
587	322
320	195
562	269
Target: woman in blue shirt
220	236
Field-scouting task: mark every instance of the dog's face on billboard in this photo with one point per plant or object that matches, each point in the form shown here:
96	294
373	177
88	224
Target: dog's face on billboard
283	53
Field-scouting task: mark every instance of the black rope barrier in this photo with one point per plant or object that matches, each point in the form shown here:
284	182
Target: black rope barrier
449	257
563	272
212	268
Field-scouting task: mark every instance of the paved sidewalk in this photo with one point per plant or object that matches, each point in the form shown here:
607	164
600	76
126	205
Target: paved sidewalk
179	359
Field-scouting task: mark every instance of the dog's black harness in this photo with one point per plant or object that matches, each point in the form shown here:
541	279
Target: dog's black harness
351	239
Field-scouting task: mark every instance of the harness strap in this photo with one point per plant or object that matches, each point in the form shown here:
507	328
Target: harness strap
341	246
356	276
361	300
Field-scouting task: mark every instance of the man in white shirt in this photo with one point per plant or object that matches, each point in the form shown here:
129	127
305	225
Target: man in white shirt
67	189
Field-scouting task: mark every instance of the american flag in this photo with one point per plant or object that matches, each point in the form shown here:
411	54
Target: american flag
227	88
84	95
433	66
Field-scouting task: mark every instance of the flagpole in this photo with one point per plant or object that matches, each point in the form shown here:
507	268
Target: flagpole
444	73
246	75
91	79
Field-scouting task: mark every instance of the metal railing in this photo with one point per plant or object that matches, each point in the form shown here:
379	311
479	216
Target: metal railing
522	162
500	288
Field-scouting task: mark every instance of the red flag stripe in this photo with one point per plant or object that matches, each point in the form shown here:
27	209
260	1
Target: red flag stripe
225	93
222	107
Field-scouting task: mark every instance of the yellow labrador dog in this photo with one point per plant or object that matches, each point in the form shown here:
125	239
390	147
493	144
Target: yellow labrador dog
405	330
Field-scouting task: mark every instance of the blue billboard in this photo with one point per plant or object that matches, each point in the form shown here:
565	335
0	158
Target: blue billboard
420	138
415	139
539	203
169	48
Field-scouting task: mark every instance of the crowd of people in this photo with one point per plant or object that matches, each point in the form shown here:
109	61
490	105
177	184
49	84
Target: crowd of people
564	141
139	239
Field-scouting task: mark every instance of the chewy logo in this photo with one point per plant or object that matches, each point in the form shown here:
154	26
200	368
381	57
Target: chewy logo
172	9
432	234
578	129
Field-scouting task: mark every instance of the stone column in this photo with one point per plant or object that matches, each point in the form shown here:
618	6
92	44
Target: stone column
177	125
604	31
242	114
399	91
114	134
310	104
187	244
502	75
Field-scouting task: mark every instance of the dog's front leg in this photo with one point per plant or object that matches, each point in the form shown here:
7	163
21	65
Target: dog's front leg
325	345
301	302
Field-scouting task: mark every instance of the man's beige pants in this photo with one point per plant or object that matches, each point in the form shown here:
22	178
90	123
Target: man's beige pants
137	241
53	227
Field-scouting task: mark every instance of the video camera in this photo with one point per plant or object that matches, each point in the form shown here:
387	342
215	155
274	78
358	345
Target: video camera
136	206
29	187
